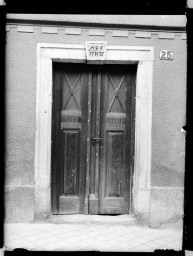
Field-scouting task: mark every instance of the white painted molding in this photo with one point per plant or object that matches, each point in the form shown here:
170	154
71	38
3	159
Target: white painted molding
25	29
143	34
96	32
120	33
73	31
49	30
166	35
49	53
141	198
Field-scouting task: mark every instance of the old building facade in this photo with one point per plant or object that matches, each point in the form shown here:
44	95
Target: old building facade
94	111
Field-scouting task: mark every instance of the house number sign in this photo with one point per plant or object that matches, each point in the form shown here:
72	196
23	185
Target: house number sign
166	55
96	51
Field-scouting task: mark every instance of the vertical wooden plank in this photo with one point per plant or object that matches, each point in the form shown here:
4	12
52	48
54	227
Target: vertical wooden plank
83	139
98	95
127	172
102	164
88	142
93	132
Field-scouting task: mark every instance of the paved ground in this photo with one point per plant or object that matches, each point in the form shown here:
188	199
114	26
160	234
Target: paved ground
87	237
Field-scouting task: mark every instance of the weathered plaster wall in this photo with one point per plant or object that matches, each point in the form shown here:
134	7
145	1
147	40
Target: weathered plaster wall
19	203
169	102
166	207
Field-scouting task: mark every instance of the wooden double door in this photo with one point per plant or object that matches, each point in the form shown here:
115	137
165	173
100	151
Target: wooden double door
92	138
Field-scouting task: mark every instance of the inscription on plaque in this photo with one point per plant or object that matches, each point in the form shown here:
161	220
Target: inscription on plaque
96	51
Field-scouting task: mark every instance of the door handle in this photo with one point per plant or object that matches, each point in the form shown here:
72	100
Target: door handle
96	140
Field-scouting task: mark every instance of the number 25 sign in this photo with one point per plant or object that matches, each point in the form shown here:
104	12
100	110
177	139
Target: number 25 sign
166	55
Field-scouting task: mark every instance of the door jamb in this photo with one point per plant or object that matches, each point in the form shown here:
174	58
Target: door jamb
76	53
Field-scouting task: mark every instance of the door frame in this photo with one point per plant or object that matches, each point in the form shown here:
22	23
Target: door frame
76	53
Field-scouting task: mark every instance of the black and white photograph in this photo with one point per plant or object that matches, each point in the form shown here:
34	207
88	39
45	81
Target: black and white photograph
95	111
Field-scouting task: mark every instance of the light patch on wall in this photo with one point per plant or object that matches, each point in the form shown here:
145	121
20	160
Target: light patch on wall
120	33
25	29
143	34
96	32
73	31
49	30
166	35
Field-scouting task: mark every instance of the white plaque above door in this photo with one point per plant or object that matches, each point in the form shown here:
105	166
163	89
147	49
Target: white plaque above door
95	51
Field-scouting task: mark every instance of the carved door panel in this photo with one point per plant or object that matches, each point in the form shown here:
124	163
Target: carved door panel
92	138
69	132
117	134
112	139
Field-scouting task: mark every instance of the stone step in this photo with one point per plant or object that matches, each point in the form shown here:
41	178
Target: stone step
125	219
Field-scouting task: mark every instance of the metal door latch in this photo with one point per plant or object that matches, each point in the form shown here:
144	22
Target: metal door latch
94	140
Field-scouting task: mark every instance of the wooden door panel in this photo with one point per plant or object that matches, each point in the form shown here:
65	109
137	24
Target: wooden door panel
117	118
71	145
115	161
114	205
71	123
69	204
69	131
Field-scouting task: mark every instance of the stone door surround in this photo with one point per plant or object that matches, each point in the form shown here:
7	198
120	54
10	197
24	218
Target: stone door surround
76	53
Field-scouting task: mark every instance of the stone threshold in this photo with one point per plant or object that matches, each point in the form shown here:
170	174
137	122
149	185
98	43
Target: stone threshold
125	219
